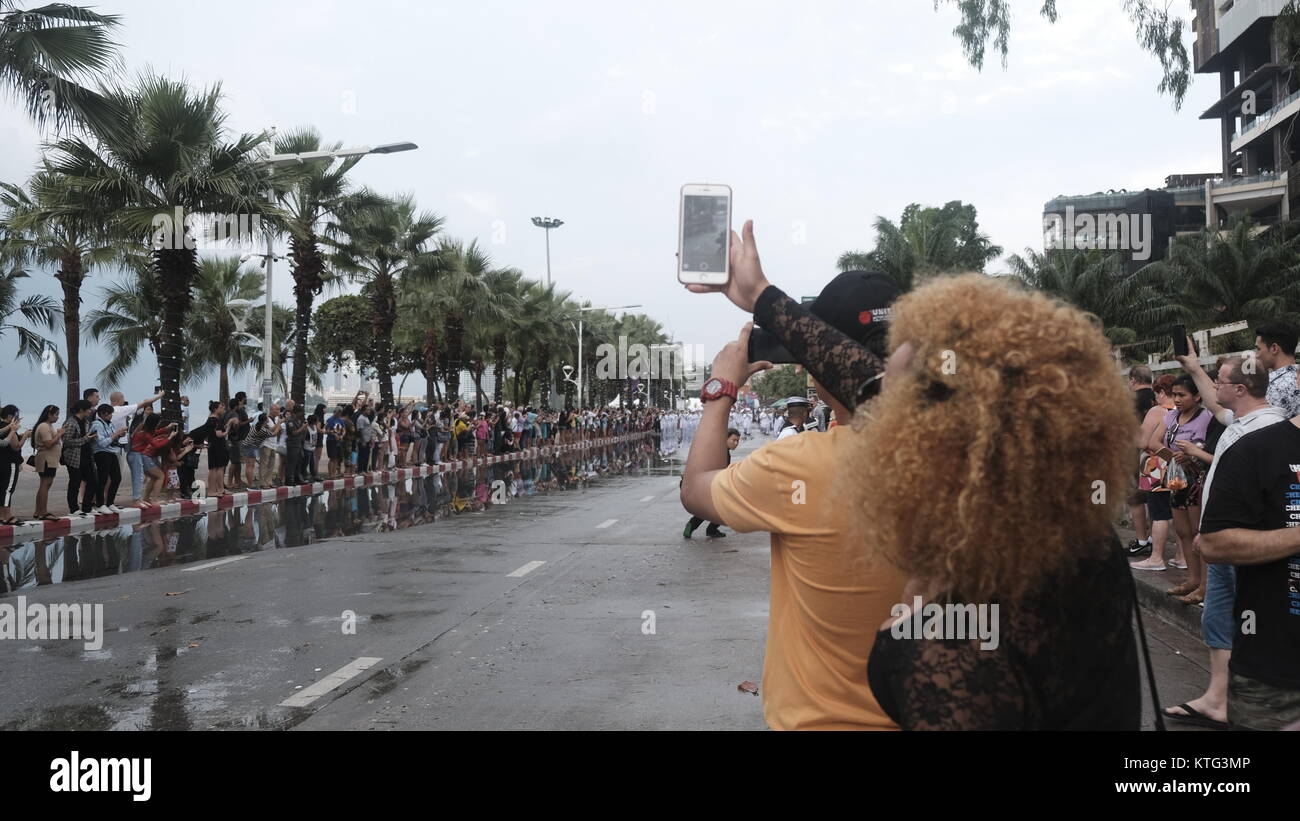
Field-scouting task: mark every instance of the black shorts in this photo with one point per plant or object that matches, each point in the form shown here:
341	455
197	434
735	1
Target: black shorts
333	451
49	473
1158	509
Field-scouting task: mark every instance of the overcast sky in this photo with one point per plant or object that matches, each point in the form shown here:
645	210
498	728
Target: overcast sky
819	117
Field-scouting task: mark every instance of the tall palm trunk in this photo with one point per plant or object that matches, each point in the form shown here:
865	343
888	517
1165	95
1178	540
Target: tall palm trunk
177	268
455	349
543	374
308	267
430	365
476	373
384	316
70	276
223	356
498	366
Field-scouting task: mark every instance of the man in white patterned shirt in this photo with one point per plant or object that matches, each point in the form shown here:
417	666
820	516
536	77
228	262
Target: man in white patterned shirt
1275	345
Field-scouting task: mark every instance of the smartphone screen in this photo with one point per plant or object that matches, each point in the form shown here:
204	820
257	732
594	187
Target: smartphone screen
706	225
1180	340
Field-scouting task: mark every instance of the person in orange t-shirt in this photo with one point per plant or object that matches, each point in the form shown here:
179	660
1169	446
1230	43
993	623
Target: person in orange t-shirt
826	602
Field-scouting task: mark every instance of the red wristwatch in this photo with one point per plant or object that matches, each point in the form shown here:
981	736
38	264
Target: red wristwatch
716	388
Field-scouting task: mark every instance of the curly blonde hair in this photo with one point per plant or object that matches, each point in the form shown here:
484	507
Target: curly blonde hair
975	474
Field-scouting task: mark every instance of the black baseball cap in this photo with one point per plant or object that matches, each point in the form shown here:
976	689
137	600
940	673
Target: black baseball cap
857	303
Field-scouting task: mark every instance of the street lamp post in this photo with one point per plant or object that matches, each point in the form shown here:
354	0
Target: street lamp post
548	223
669	346
272	160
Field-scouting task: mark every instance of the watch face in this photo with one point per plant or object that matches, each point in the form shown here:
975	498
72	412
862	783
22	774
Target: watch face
713	386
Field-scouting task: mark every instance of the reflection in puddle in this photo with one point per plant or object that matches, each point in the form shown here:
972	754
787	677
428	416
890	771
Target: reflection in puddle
309	519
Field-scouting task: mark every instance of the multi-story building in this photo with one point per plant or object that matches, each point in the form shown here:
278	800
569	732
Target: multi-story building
1257	107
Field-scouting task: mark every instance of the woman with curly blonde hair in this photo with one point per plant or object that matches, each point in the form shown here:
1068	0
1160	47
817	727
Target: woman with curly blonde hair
986	471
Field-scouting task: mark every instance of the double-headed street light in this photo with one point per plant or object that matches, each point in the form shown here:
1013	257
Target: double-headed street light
669	346
282	161
548	223
581	396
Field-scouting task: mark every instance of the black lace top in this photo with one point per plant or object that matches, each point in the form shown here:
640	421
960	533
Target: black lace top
1066	657
1066	660
844	367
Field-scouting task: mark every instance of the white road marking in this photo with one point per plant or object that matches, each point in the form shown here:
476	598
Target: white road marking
217	563
525	570
647	498
606	523
330	682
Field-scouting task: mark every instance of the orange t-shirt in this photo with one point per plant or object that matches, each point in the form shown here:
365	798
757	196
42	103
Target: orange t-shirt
827	603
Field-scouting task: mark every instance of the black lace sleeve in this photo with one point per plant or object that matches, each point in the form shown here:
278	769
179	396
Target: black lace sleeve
844	367
957	686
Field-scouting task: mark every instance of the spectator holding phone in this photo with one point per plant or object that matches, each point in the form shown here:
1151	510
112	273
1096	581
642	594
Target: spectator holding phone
1178	497
146	441
825	600
1237	398
107	454
937	476
1248	523
76	440
11	460
47	441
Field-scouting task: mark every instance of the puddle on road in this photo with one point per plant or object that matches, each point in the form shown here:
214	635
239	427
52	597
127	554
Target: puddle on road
151	698
310	519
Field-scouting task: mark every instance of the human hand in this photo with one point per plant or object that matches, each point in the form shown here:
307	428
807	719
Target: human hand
732	362
746	282
1190	362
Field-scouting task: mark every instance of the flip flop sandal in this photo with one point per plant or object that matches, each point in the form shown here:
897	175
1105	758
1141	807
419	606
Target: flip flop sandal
1182	589
1177	565
1194	717
1142	567
11	521
48	517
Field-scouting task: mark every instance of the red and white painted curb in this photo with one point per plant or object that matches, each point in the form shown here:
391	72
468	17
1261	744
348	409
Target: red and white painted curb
28	531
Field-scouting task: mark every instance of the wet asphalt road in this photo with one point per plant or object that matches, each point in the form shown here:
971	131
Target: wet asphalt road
460	642
448	637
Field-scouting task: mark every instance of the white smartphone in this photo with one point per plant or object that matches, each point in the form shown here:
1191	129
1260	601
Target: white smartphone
704	235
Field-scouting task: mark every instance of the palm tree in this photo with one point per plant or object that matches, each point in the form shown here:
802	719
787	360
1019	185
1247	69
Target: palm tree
925	242
419	328
62	229
129	320
36	310
458	292
538	329
284	345
1129	306
640	329
504	287
378	243
1233	275
310	199
215	338
46	56
169	161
